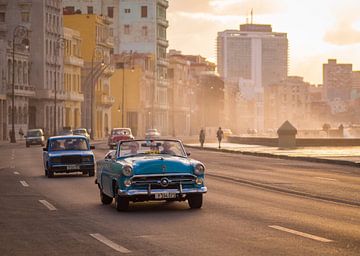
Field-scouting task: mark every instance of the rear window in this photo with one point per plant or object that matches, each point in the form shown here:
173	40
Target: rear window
68	144
121	132
34	134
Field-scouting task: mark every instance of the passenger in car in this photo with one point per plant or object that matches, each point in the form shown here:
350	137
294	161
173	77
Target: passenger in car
167	148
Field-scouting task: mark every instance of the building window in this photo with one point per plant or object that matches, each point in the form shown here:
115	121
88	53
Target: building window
145	30
127	10
126	29
144	11
25	16
110	10
2	16
90	10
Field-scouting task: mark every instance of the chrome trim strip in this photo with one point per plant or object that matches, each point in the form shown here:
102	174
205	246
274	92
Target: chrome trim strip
163	174
135	192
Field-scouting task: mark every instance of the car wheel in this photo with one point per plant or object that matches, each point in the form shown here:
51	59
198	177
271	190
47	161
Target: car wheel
27	145
121	203
91	173
105	199
50	174
195	201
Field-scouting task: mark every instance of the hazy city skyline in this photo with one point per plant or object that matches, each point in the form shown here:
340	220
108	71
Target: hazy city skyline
317	30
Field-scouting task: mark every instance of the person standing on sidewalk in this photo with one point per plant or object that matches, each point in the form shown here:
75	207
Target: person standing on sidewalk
220	136
202	137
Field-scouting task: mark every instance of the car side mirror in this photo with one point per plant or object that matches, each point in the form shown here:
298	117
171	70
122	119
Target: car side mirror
45	149
92	147
188	153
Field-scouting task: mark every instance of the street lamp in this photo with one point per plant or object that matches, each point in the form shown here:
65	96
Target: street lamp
18	32
123	85
59	44
92	91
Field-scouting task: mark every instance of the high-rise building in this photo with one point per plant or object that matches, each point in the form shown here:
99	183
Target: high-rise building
337	81
46	110
139	26
16	22
254	54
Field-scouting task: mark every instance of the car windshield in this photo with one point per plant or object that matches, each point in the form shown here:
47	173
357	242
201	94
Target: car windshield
152	131
34	134
151	147
68	144
121	132
79	132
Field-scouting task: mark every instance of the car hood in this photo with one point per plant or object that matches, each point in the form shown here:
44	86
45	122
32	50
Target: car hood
159	164
70	153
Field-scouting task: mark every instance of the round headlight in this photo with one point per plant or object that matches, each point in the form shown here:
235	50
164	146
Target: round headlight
127	170
199	169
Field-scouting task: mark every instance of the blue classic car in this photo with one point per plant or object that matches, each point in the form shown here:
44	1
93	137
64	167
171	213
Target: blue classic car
144	170
65	154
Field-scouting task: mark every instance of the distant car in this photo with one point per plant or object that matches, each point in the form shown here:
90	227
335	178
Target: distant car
65	132
119	134
152	134
227	132
66	154
82	131
150	170
34	137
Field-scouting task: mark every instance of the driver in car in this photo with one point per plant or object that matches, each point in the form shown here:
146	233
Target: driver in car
167	149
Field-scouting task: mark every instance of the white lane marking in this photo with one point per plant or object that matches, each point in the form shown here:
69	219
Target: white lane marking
16	173
110	243
48	205
323	178
23	182
317	238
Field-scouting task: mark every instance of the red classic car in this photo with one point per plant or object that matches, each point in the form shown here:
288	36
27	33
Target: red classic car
119	134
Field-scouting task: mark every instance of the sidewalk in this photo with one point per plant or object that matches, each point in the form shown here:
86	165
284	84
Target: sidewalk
333	155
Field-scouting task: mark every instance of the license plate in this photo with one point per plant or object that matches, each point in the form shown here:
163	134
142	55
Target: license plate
73	167
165	195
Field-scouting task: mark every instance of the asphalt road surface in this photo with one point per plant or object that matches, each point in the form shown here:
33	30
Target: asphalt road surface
254	206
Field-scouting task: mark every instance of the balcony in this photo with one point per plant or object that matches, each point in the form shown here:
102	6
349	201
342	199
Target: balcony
74	96
73	60
163	22
164	3
163	42
21	90
105	100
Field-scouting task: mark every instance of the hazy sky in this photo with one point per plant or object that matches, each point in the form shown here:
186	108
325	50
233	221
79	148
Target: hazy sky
317	29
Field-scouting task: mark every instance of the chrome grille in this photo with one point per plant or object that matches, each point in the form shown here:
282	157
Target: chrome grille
155	180
71	159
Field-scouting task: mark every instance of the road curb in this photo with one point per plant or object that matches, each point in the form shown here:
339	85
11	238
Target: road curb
287	157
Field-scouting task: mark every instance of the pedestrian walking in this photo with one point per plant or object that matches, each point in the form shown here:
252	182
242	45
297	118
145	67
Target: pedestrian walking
220	136
202	137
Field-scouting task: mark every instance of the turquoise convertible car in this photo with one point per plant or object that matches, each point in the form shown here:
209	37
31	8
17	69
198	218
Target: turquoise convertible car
147	170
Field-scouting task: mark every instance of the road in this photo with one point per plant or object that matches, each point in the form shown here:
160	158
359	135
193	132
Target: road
255	206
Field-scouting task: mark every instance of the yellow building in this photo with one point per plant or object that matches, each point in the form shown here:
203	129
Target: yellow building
133	102
73	63
97	43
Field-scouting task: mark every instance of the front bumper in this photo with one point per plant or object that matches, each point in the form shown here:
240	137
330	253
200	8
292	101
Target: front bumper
152	192
34	142
65	169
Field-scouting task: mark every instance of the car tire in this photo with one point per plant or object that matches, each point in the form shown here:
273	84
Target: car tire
50	174
27	145
91	173
121	203
195	201
105	199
